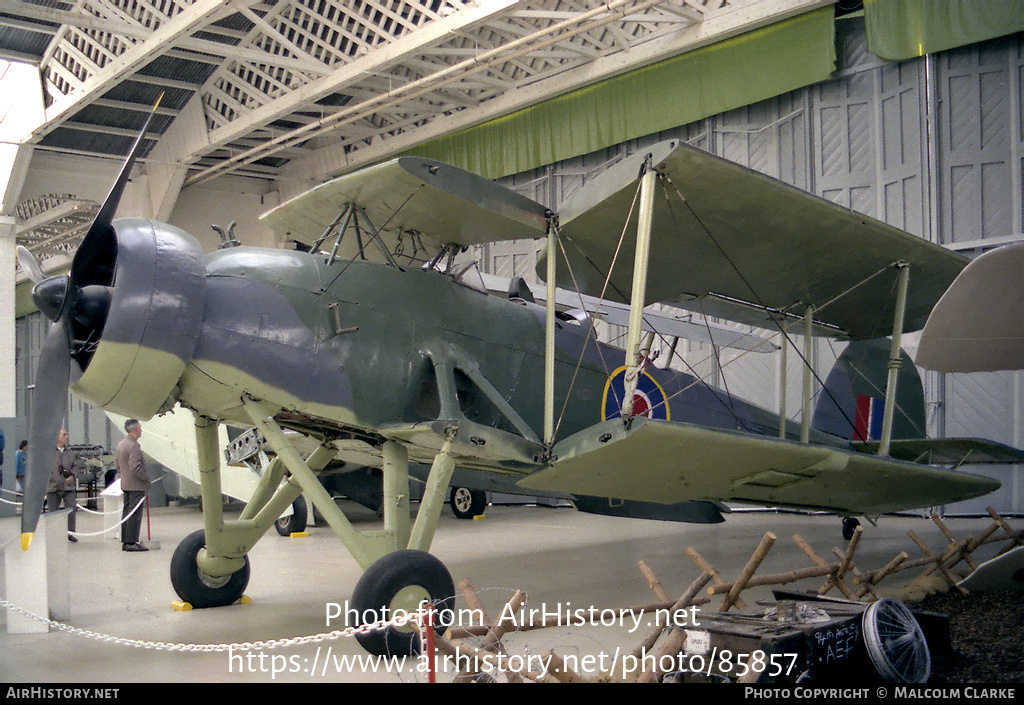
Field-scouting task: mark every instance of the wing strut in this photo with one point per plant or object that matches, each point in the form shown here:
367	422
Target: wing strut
350	216
549	336
903	271
782	386
805	421
636	304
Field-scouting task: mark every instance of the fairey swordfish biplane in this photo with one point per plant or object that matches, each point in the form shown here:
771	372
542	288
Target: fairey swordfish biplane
358	350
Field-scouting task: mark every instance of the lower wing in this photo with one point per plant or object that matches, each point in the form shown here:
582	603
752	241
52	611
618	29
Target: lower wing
667	462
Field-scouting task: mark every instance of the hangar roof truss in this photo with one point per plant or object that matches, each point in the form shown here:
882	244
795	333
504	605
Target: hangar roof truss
307	89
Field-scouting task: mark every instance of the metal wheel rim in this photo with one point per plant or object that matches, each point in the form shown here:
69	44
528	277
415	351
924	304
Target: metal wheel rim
407	601
211	582
896	643
463	499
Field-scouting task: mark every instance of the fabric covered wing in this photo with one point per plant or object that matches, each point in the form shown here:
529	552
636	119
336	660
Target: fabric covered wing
441	203
729	242
667	462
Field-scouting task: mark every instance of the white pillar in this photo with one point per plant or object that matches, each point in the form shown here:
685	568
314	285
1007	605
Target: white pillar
37	579
8	260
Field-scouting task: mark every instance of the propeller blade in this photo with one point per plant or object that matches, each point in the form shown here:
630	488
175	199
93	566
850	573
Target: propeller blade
30	265
49	403
85	300
100	236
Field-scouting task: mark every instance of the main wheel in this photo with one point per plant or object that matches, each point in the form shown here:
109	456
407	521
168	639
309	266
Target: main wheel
294	522
397	585
195	587
896	643
467	503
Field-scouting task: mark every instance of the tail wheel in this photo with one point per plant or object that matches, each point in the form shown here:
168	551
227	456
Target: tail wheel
296	521
195	587
850	525
396	585
467	503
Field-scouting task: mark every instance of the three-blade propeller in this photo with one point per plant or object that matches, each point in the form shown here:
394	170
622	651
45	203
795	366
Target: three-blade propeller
77	303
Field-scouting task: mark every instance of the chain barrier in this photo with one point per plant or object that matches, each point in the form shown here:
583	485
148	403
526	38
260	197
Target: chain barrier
411	619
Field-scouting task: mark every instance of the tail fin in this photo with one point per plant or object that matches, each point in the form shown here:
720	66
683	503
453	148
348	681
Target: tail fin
851	406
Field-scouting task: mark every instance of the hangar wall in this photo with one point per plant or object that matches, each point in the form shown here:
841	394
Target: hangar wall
933	145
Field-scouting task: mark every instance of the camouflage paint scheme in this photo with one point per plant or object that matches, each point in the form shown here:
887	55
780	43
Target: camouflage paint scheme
267	331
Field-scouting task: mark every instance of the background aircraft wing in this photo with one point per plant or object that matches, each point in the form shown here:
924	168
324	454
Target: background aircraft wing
667	462
729	241
170	439
653	321
440	203
978	324
948	451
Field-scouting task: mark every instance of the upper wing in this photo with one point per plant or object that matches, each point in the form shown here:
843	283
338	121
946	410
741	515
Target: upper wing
442	204
730	242
667	462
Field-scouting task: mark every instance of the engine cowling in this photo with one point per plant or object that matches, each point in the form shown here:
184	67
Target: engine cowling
156	294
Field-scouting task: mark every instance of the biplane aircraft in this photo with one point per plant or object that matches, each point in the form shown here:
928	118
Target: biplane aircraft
374	345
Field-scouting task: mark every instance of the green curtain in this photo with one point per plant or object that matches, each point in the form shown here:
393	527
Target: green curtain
707	81
902	29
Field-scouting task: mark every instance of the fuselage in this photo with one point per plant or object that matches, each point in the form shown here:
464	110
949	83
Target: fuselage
356	343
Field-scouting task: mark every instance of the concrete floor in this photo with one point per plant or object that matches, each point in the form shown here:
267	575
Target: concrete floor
562	559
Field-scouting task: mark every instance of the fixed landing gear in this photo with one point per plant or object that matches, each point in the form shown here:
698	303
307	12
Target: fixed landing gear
850	525
295	522
195	587
399	573
467	503
398	584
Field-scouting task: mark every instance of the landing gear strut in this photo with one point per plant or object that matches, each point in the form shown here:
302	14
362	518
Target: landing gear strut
400	574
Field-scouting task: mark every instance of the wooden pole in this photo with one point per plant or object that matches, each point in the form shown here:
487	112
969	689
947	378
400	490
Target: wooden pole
748	570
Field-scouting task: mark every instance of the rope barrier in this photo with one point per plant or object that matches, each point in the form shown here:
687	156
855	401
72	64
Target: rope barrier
91	511
115	526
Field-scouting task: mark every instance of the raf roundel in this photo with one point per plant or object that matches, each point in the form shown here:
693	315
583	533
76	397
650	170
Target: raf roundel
649	399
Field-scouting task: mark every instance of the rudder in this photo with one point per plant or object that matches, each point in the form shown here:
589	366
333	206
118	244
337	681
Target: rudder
852	403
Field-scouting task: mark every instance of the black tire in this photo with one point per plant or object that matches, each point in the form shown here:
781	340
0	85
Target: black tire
198	590
399	581
295	522
467	503
850	525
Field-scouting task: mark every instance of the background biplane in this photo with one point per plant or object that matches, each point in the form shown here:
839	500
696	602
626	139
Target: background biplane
374	357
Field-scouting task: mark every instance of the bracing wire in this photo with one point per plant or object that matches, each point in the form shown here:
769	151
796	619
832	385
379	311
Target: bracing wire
759	301
604	288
